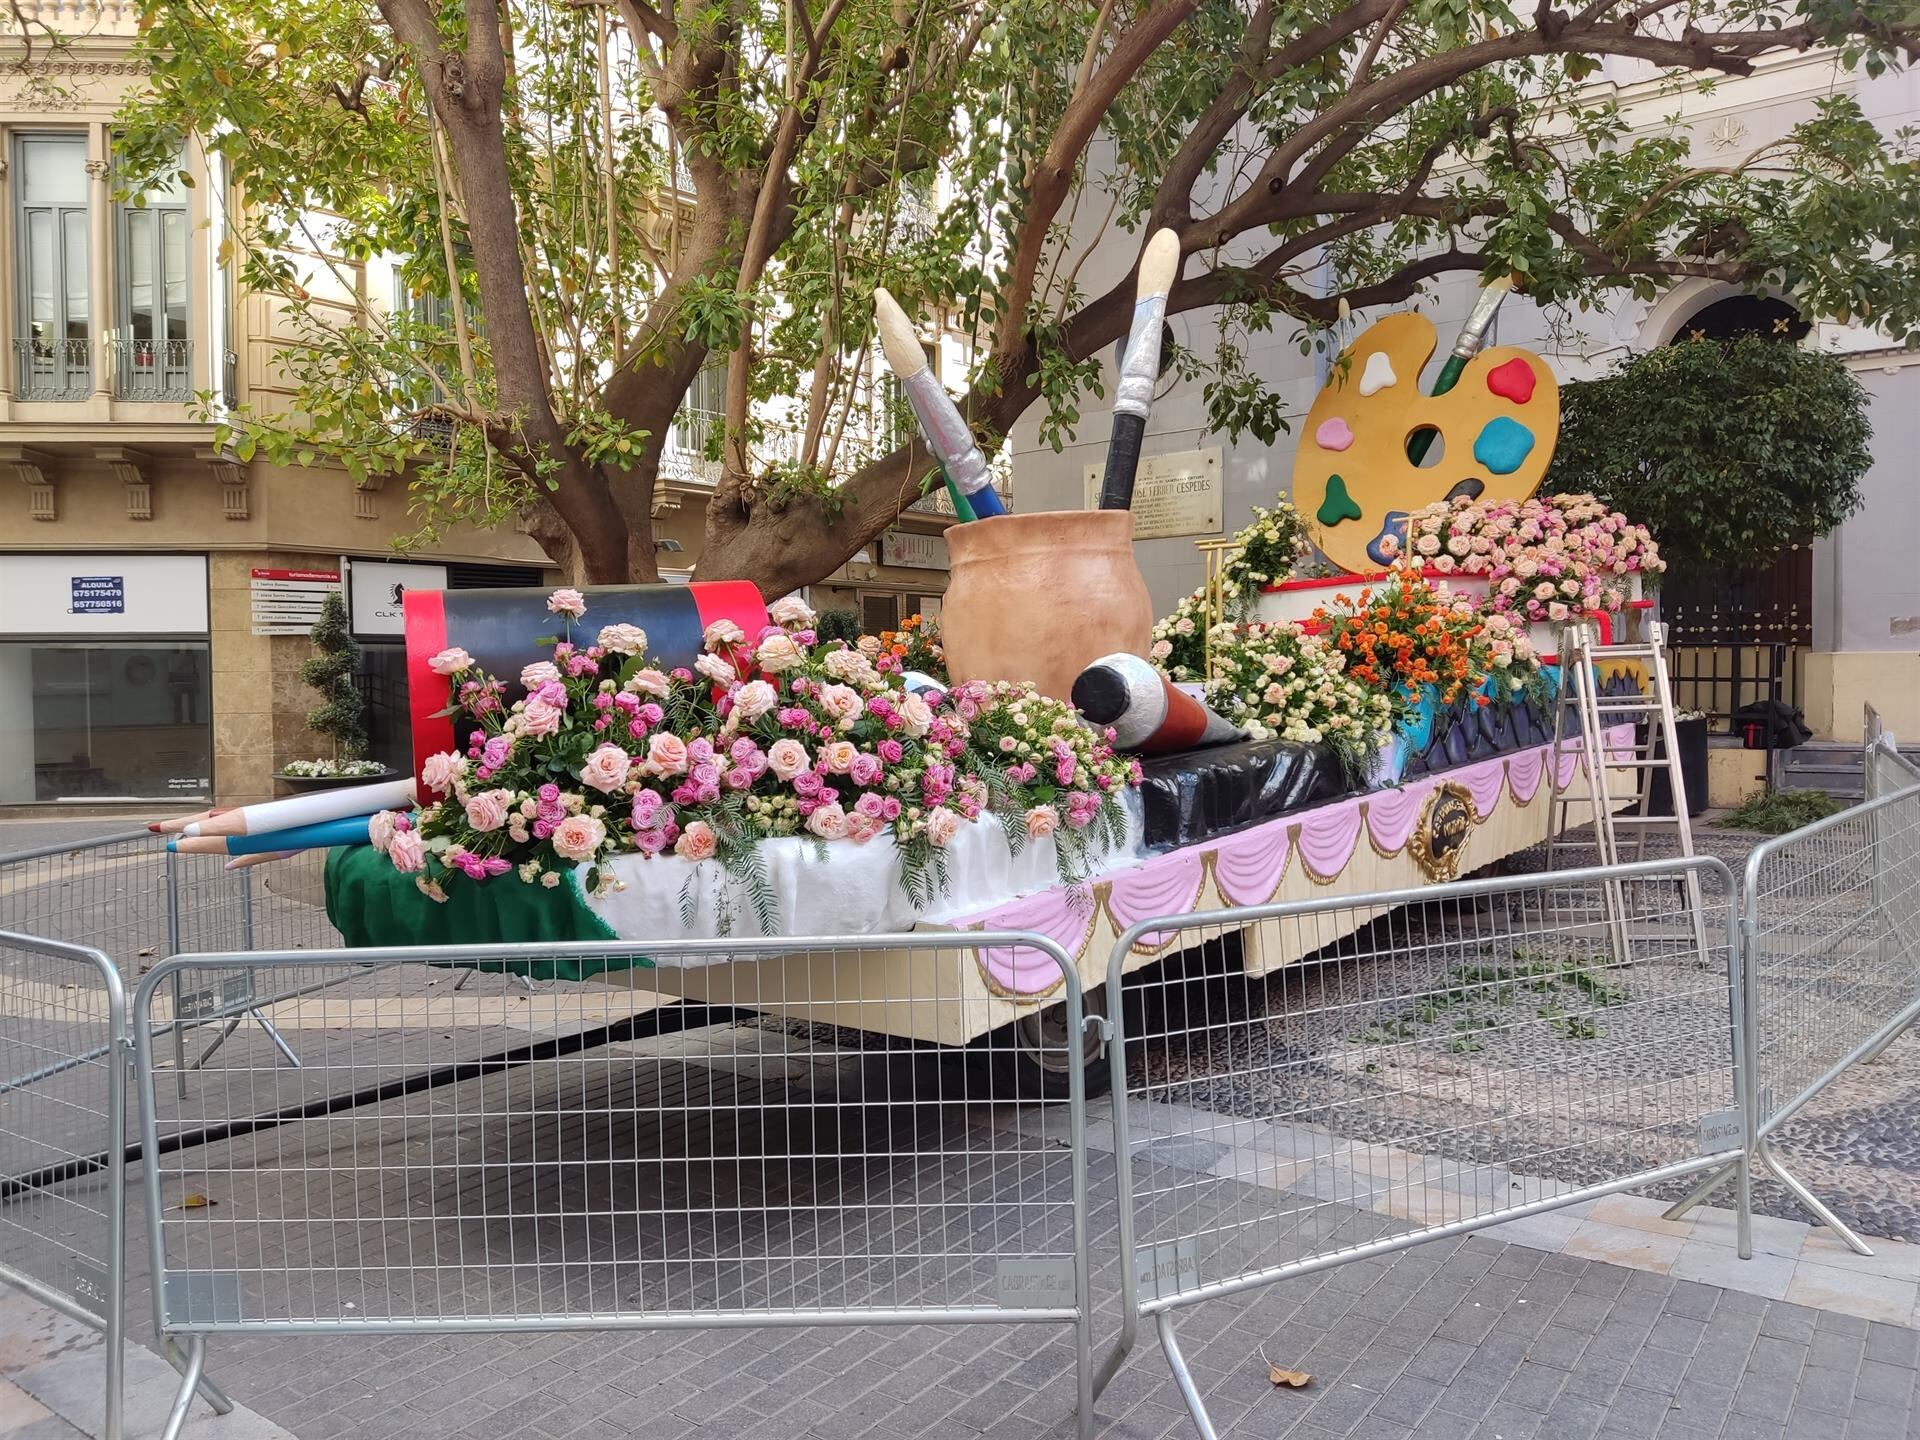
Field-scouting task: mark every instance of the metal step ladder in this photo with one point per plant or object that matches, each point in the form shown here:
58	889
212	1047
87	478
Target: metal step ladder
1609	787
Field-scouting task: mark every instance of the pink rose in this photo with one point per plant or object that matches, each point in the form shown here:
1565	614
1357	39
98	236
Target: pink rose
787	758
380	829
696	842
917	714
648	682
828	821
838	756
865	770
606	769
406	851
842	703
578	836
778	653
538	674
540	718
716	669
752	700
666	755
622	639
488	809
942	825
440	771
862	828
722	632
450	662
567	601
1042	820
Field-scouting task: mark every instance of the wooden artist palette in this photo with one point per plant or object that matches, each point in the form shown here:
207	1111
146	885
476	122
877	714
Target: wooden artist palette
1352	480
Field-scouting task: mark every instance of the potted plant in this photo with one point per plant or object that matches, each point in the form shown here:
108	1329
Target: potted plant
341	715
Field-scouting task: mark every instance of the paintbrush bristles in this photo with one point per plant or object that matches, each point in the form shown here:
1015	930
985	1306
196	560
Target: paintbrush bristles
904	353
1159	264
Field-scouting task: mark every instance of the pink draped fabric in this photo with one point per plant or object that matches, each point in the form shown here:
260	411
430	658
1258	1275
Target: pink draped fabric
1392	814
1248	867
1328	835
1165	885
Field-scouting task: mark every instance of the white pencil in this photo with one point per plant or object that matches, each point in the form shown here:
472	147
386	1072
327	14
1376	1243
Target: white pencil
311	809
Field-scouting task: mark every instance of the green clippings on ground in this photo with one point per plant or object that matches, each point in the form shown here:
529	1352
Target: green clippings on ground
1780	812
1596	989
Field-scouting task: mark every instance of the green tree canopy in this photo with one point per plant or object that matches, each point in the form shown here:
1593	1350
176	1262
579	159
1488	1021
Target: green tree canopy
524	158
1726	451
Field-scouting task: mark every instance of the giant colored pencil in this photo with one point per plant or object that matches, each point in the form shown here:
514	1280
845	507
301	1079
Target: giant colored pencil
1472	336
310	809
947	433
1139	368
247	862
347	830
176	824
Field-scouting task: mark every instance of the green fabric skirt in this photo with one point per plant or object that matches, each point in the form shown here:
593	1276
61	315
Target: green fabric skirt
374	906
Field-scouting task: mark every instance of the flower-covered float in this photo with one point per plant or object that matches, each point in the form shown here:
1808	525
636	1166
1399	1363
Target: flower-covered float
648	764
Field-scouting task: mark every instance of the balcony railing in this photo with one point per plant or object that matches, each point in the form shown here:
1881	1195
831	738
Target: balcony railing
157	371
52	369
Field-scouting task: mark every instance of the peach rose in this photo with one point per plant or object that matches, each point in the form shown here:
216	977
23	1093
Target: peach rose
567	601
380	829
917	714
1042	820
696	842
842	703
450	662
829	822
538	674
440	771
666	755
862	828
648	682
623	639
752	700
540	718
488	809
777	654
791	611
942	824
787	758
849	665
406	852
838	756
716	669
578	836
722	632
606	769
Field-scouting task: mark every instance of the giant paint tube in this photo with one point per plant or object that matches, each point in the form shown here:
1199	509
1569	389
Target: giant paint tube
1147	712
946	431
502	631
309	809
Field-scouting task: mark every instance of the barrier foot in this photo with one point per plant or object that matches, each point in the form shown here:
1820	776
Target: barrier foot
1701	1192
279	1040
1812	1202
1881	1049
217	1399
189	1382
1123	1347
1183	1377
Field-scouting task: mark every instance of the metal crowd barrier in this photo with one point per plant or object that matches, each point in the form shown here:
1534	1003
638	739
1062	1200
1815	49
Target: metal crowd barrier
597	1173
65	1244
1444	1059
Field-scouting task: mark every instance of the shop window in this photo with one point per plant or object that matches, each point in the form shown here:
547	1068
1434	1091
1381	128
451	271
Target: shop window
105	721
879	612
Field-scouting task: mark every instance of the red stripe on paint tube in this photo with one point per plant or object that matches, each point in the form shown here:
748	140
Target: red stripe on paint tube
426	627
1186	722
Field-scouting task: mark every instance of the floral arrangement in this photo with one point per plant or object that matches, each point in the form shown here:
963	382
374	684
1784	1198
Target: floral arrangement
1405	635
332	769
1549	558
914	646
765	736
1180	640
1279	681
1266	552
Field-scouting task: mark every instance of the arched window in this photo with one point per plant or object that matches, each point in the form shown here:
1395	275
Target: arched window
1738	316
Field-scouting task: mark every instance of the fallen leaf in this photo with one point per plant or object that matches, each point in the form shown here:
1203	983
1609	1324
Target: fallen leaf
195	1202
1292	1379
150	950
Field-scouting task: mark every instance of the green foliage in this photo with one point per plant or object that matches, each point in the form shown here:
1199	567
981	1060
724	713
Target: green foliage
341	715
1726	451
1780	811
838	625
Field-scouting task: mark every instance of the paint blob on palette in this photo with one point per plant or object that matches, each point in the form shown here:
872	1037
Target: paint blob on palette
1352	481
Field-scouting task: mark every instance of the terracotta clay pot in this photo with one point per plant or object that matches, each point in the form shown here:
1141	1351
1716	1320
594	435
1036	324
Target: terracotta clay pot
1040	597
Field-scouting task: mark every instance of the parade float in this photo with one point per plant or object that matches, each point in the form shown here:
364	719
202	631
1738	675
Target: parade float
652	763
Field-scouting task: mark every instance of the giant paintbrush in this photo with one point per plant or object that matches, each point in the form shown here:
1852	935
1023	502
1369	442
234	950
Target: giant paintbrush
945	429
1472	336
1139	369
